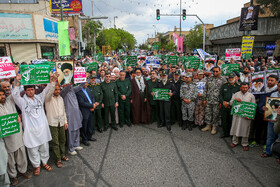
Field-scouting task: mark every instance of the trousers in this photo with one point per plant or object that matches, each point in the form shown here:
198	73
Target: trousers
38	154
17	161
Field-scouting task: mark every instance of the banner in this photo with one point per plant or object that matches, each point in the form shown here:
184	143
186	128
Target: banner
247	47
51	30
172	60
91	66
200	87
153	61
80	75
16	26
249	18
7	69
244	109
63	38
131	61
209	62
192	62
9	125
234	53
34	74
39	61
68	6
99	57
180	44
161	94
258	83
228	68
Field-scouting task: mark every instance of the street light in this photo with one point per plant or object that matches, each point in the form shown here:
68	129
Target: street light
155	31
115	21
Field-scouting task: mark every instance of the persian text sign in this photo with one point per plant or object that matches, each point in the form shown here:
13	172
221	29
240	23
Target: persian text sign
172	60
161	94
51	30
7	69
244	109
80	75
131	61
234	53
91	66
16	26
68	6
9	125
228	68
247	47
34	74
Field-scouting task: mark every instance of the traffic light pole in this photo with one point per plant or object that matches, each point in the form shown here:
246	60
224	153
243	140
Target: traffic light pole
190	16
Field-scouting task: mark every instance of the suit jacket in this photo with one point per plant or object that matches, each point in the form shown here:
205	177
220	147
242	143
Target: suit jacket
84	103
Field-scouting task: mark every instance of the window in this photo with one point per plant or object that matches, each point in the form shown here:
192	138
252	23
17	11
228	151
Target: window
2	51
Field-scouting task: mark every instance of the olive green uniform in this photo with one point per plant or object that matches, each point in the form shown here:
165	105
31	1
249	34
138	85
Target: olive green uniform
226	92
124	88
98	96
110	98
153	103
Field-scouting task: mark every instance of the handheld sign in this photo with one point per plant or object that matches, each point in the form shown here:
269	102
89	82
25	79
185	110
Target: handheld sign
9	125
80	75
34	74
244	109
161	94
7	69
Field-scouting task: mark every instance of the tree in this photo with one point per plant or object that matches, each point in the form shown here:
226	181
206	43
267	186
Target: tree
194	39
272	5
116	38
143	46
91	29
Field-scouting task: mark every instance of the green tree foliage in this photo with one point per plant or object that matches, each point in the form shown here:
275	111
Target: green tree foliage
116	38
164	43
90	29
143	46
272	5
194	39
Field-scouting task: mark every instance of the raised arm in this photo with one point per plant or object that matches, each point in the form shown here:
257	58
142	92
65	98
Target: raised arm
16	93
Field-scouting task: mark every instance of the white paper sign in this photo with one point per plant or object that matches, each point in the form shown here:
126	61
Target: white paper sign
7	69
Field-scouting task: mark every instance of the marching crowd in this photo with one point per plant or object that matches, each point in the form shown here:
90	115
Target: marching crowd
115	96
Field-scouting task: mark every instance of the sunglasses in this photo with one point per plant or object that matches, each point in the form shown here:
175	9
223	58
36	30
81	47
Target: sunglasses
215	71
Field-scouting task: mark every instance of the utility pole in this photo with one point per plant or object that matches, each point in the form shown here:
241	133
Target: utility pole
180	17
61	11
115	21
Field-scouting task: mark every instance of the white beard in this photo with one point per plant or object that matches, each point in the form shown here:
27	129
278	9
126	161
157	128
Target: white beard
68	78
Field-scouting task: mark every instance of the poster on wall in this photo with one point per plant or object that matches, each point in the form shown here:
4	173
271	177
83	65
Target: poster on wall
16	26
51	30
249	18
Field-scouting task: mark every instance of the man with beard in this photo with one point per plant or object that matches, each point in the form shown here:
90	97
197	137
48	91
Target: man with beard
245	76
164	106
67	69
199	107
176	111
226	92
152	83
139	99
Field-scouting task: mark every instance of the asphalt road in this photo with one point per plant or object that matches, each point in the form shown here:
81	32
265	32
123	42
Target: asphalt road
145	155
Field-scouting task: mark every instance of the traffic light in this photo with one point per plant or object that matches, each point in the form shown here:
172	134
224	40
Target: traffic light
158	14
184	14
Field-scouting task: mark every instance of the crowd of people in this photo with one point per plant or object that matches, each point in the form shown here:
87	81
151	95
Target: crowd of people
118	95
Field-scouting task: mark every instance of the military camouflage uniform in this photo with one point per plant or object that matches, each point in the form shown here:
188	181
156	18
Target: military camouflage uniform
188	91
199	109
211	95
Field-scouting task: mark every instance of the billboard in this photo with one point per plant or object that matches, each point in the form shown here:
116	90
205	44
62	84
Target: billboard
16	26
51	31
68	6
249	18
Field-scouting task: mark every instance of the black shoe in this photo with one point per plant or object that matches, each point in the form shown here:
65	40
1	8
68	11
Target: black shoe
159	125
86	143
115	128
121	125
190	128
129	124
92	139
100	130
105	129
169	128
224	136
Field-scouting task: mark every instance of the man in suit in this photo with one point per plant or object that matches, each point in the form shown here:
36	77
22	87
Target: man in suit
87	105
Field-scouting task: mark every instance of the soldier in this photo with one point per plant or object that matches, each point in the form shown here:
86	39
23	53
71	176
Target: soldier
110	101
212	101
199	107
188	93
98	96
124	91
154	105
176	112
164	106
226	92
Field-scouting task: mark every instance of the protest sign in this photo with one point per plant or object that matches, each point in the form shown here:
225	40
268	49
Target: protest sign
234	53
258	83
66	72
244	109
172	60
9	125
192	62
210	62
7	69
267	74
161	94
249	18
152	61
272	104
200	87
80	75
91	66
99	57
247	47
228	68
39	61
34	74
131	61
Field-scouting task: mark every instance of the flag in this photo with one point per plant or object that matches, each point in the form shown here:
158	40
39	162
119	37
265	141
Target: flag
180	44
63	38
174	37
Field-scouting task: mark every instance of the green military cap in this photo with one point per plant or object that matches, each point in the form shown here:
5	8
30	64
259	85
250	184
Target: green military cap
164	72
231	75
92	76
177	72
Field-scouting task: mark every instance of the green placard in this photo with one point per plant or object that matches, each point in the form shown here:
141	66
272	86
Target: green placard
161	94
172	60
99	57
34	74
192	62
246	56
244	109
228	68
155	47
91	66
51	64
9	125
131	61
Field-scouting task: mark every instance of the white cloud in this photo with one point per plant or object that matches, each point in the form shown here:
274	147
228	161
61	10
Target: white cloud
139	16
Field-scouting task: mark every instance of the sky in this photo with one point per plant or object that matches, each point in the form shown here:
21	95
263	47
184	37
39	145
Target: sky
139	16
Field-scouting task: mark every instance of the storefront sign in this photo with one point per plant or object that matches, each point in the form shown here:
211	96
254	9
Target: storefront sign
51	31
